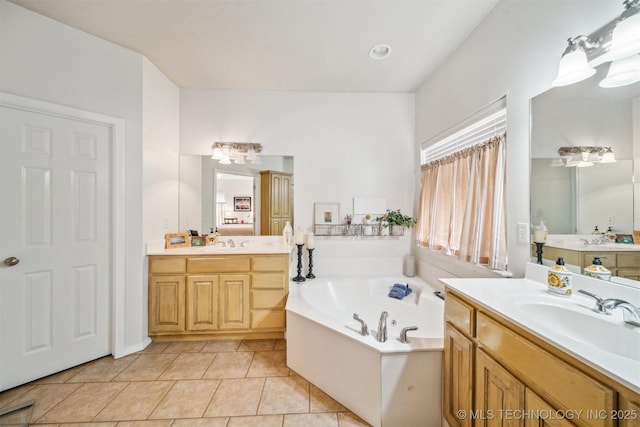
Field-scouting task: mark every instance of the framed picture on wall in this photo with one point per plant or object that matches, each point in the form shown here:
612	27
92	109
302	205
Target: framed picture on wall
327	213
242	204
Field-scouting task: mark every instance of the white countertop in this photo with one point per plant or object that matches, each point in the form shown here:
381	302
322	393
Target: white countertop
257	245
574	242
509	296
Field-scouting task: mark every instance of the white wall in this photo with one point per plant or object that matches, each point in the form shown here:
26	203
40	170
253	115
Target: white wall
45	60
344	145
160	138
514	51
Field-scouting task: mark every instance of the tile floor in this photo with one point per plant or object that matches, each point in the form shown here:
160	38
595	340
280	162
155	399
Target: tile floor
213	383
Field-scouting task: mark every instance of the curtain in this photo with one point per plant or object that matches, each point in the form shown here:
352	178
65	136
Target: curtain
462	209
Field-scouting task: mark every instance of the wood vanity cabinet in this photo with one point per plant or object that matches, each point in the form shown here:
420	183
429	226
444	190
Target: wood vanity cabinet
497	373
276	202
238	296
620	263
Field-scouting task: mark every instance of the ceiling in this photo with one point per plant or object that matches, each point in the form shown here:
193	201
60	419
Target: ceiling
296	45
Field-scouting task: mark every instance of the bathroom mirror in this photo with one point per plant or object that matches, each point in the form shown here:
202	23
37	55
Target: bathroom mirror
574	200
214	195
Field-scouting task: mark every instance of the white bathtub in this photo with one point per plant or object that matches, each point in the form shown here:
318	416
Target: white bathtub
387	384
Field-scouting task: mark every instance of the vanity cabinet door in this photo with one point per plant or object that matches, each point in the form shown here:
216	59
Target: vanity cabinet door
499	395
458	377
540	414
202	303
166	304
234	301
628	412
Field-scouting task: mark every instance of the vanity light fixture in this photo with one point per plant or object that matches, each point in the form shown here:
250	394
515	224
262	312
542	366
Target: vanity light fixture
617	42
584	156
224	152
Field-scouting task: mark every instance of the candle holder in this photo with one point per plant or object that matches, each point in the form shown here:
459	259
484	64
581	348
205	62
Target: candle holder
310	275
539	246
299	277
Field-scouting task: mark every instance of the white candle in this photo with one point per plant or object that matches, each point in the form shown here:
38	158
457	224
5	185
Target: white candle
299	237
310	240
539	236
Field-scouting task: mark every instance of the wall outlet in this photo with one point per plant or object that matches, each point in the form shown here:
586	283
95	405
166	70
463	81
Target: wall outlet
612	220
165	223
523	232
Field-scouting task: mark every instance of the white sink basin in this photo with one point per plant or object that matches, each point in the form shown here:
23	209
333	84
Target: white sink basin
606	333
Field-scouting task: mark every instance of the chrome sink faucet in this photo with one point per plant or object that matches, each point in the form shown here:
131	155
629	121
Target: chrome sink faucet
630	315
363	326
381	335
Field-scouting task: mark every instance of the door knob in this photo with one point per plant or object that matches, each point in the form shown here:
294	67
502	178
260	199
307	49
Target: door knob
11	261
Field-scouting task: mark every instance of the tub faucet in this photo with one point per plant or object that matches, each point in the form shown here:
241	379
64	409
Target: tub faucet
403	334
381	336
363	326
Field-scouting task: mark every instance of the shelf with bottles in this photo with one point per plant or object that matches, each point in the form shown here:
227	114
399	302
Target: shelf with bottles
357	230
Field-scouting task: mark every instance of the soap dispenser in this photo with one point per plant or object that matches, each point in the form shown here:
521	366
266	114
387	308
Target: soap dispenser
596	231
610	235
559	279
597	270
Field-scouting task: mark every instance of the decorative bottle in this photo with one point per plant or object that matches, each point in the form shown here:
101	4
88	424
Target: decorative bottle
559	279
610	235
597	270
287	232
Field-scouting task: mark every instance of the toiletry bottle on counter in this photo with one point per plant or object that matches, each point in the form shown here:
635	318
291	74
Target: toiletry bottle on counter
596	231
610	235
559	279
597	270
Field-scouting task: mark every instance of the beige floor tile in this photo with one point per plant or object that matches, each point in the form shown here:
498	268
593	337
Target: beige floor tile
349	419
222	345
257	345
155	347
84	403
229	365
285	395
269	364
257	421
152	423
46	396
321	402
12	397
236	397
185	347
62	377
201	422
136	401
188	366
311	420
104	369
281	345
146	367
97	424
186	399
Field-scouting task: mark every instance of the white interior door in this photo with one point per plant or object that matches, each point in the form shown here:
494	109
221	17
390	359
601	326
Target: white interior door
55	244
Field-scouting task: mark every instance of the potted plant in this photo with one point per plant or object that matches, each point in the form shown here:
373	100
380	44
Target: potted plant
397	221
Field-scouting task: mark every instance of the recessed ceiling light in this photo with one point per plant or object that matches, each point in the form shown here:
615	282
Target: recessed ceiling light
380	51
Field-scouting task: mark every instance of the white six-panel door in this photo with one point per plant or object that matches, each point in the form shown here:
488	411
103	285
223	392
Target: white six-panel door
55	244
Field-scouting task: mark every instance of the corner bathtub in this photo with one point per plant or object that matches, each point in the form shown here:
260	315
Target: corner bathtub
386	384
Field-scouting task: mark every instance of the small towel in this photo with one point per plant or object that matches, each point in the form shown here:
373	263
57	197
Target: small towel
399	291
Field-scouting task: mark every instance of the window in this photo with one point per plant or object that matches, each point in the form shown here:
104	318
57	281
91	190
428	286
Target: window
462	195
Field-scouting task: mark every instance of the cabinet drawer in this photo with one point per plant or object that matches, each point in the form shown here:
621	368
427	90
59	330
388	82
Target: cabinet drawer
629	260
269	280
459	313
167	265
228	264
267	319
268	298
554	380
270	263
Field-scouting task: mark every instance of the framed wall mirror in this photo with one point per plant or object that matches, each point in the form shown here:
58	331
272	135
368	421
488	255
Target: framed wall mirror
227	197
